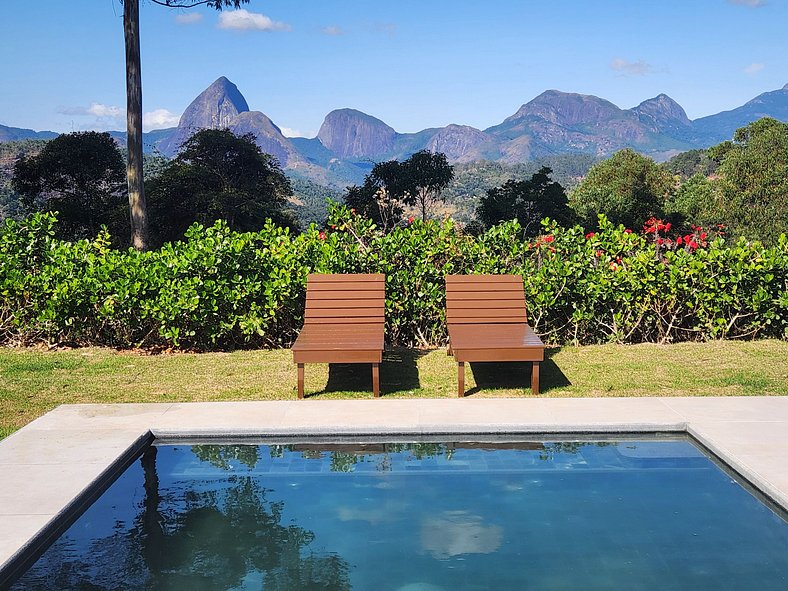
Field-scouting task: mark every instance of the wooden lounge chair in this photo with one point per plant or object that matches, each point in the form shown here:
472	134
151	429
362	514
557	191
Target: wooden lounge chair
487	322
343	323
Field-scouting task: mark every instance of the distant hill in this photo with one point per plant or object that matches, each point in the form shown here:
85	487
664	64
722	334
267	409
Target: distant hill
554	123
15	134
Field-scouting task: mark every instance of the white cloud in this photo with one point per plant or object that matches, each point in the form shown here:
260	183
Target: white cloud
333	31
627	68
104	111
243	20
110	117
159	119
749	3
753	69
188	18
289	132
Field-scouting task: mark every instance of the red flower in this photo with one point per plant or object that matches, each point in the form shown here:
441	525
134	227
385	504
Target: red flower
322	235
693	244
703	235
627	231
552	249
679	240
411	219
549	239
590	235
618	259
660	241
333	226
599	254
613	267
667	227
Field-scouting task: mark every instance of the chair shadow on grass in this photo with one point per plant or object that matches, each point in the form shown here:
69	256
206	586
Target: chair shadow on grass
492	375
398	373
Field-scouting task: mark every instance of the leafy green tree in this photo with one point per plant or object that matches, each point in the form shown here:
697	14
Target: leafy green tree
628	188
219	175
754	179
696	202
424	176
528	201
134	169
80	175
380	197
417	182
690	163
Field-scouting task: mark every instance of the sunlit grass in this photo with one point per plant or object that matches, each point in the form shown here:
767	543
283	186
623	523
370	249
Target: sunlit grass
34	381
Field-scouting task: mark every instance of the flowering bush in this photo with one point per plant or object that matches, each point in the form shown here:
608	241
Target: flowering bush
219	289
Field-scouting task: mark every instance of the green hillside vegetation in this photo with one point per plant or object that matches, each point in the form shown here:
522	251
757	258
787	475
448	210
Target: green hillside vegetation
310	200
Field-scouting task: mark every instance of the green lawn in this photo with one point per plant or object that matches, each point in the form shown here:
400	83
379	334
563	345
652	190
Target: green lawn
33	381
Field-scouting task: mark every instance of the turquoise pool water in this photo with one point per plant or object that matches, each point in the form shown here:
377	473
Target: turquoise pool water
635	515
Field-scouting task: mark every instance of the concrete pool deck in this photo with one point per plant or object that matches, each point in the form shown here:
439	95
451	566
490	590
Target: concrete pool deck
47	466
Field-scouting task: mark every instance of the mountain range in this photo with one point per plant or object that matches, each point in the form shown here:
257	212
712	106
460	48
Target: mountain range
555	122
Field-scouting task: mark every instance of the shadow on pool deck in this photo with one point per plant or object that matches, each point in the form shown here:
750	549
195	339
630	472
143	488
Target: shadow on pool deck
398	373
517	374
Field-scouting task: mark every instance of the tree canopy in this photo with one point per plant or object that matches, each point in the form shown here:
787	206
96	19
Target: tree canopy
628	188
529	201
219	175
423	177
80	175
754	179
417	181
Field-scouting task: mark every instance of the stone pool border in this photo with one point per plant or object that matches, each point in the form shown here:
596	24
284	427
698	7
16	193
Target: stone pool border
49	468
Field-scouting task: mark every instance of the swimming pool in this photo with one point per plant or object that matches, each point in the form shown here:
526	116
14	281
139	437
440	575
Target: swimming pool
583	514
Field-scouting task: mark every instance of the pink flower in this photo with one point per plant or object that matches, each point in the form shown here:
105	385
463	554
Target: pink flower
627	231
590	235
322	235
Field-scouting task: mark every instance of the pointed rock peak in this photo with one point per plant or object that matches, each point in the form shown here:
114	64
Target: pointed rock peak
215	107
662	108
785	87
224	90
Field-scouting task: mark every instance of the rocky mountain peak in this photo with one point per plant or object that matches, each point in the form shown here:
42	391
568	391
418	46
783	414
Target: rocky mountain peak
215	107
353	134
661	110
567	108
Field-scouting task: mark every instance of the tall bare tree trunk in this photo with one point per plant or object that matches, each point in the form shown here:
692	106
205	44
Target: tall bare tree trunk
137	207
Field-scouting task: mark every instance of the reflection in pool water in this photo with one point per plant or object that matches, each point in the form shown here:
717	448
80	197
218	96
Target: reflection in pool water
421	517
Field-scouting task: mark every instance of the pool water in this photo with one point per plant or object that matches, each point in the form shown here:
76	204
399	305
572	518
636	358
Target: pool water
635	515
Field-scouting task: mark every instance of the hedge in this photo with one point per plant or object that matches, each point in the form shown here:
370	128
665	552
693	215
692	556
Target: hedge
219	289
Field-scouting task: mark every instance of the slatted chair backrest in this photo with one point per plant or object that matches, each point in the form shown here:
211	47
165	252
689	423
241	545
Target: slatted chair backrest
485	299
345	299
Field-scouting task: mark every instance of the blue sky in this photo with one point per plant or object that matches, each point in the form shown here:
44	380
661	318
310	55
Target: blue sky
411	63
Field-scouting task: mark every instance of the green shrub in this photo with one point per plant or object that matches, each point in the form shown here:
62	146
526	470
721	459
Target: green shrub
220	289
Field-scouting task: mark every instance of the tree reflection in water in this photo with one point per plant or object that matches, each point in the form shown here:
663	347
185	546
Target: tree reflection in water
227	536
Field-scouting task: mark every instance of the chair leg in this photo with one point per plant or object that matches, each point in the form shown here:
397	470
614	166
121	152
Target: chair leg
535	378
460	379
300	381
376	379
